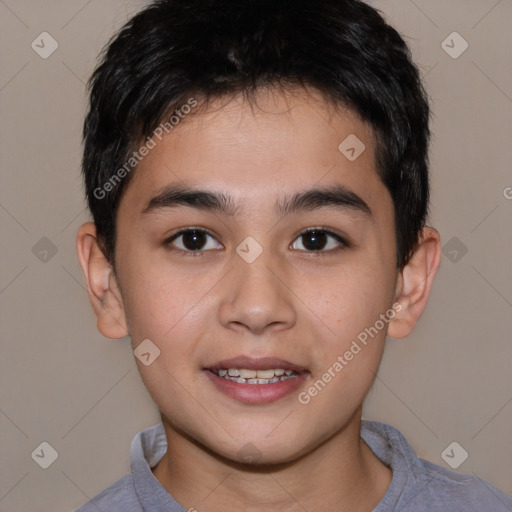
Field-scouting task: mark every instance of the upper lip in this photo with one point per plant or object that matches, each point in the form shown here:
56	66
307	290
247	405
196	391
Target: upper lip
256	363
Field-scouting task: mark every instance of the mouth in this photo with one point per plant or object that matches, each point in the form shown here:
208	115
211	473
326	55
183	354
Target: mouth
246	376
256	381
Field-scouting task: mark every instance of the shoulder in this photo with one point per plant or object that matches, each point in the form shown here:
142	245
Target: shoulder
448	489
421	486
119	497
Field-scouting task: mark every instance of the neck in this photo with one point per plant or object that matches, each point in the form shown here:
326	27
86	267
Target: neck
342	473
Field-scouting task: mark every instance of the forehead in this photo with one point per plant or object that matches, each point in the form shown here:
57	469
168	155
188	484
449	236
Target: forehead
256	150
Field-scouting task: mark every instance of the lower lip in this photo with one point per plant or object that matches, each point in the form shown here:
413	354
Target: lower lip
256	393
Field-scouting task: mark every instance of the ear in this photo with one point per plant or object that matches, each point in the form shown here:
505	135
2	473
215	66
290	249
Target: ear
414	283
101	284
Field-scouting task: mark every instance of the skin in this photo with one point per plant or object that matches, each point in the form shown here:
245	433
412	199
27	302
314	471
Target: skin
290	303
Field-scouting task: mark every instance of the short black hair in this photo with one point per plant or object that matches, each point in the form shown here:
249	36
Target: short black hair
175	50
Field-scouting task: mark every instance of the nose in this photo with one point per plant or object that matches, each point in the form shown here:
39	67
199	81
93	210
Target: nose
258	296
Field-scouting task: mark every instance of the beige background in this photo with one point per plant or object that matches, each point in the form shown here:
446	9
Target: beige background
63	383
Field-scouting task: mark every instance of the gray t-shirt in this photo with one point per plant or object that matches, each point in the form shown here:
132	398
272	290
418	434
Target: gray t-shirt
417	485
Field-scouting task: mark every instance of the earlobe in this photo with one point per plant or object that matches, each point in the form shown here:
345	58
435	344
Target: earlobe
415	282
102	288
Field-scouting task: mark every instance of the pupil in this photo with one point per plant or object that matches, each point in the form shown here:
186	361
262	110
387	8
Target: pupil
314	240
194	240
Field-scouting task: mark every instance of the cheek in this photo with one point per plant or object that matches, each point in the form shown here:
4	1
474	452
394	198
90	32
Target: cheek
164	310
351	301
157	306
346	362
351	358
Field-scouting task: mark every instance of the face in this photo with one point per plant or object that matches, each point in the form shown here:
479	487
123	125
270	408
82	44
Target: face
247	278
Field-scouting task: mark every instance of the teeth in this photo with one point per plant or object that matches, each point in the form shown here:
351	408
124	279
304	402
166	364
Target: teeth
262	381
249	374
245	376
265	374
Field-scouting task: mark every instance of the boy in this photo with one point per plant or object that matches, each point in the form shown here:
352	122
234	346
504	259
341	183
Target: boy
257	174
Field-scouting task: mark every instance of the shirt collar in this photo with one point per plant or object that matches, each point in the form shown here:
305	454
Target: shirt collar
387	443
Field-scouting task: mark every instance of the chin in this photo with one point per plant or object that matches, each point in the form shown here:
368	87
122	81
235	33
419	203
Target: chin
259	450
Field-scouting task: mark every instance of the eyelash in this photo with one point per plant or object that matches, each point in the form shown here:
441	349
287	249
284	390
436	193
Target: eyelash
344	244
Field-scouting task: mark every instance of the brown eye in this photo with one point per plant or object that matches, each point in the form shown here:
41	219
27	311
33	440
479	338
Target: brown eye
314	240
319	240
193	240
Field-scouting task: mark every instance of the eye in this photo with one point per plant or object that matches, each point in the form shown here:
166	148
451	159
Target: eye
319	240
192	240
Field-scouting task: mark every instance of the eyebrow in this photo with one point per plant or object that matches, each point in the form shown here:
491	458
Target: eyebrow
336	196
